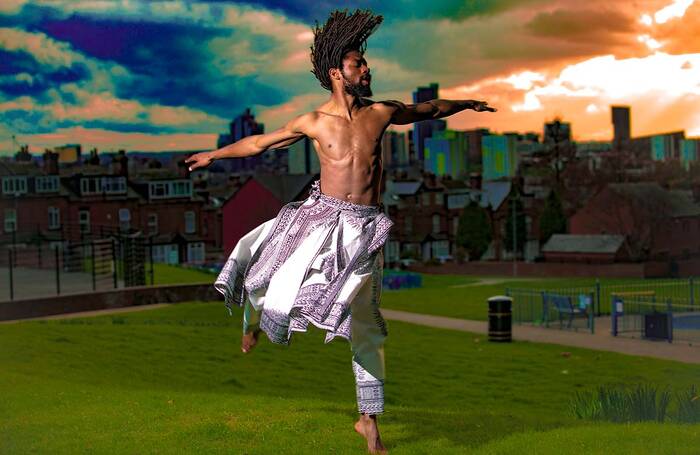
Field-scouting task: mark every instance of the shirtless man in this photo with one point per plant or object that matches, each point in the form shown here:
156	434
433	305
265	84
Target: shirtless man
346	132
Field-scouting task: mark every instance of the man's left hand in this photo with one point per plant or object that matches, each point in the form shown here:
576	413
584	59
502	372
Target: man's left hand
482	106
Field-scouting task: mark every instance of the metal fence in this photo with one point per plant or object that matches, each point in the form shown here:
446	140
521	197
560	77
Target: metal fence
39	269
571	309
578	308
652	319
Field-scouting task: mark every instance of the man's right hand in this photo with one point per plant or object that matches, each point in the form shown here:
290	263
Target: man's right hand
202	159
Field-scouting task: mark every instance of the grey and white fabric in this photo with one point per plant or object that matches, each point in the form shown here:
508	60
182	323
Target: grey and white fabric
319	261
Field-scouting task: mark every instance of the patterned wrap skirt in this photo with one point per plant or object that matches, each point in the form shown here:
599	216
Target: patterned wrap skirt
306	266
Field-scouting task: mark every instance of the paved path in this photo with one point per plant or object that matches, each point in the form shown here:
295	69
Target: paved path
600	341
490	281
84	314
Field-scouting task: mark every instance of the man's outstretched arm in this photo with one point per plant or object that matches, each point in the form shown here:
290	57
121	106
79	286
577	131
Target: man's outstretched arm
254	144
433	109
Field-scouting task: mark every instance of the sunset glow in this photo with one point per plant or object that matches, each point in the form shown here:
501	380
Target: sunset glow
171	75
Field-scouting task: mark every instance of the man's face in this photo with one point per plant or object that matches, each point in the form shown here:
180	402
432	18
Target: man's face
356	76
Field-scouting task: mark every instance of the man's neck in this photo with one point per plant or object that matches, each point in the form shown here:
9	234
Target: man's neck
344	104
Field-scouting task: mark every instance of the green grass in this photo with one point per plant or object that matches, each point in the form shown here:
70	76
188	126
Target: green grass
171	274
173	380
440	295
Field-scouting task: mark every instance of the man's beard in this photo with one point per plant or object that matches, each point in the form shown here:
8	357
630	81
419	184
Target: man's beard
357	90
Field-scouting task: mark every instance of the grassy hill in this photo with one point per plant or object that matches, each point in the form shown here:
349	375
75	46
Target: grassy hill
173	380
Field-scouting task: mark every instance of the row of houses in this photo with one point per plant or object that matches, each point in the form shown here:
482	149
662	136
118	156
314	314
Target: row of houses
190	219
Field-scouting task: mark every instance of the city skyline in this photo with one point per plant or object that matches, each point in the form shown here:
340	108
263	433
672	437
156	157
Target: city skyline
171	75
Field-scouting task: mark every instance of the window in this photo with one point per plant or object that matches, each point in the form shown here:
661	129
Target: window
46	184
441	248
176	188
84	220
124	219
114	185
426	198
436	224
16	184
98	185
54	218
153	223
195	252
165	254
408	225
10	220
88	185
190	227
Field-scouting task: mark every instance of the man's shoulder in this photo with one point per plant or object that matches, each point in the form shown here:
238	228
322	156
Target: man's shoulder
388	105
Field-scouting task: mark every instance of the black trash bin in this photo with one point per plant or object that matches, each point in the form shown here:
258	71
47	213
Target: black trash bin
500	319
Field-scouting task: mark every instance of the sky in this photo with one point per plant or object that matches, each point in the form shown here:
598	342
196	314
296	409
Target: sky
149	75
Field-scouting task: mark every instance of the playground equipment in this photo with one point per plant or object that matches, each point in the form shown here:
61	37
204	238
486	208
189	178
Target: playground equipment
397	279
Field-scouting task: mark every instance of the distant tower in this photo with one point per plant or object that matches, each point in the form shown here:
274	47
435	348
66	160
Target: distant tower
425	129
621	124
242	126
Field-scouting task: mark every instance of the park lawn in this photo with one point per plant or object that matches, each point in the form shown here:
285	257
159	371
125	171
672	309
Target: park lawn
442	295
171	274
457	296
173	380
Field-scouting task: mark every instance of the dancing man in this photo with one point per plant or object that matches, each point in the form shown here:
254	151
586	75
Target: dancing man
320	260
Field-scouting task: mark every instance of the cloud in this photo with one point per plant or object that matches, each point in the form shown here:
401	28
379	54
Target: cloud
109	140
603	25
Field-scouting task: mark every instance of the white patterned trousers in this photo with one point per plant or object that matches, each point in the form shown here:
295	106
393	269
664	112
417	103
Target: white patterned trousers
368	332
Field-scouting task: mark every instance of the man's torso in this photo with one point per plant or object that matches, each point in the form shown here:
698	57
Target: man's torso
349	151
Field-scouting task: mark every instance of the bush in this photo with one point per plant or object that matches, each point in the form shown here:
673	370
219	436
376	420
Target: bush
615	404
688	406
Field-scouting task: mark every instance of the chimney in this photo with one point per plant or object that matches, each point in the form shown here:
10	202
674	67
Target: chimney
475	181
120	164
50	162
183	170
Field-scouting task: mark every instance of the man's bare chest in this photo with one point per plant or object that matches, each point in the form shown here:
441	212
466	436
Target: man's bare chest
339	137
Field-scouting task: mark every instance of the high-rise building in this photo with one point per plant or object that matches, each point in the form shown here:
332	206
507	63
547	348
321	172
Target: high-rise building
446	153
500	157
474	147
395	149
621	124
425	129
690	151
242	126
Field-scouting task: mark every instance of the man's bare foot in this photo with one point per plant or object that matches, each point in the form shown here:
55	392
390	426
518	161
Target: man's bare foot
367	427
249	340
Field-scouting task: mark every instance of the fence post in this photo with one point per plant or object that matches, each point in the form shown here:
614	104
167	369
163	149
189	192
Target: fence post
692	291
592	314
92	257
597	297
669	320
12	285
545	309
114	263
58	276
150	256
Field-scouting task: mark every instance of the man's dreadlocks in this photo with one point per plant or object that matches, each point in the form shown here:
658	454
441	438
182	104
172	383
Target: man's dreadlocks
341	33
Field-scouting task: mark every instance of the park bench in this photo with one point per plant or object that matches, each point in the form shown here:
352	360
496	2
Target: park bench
566	308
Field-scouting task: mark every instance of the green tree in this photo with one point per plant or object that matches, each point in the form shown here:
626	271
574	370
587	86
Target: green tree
553	220
474	230
520	226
